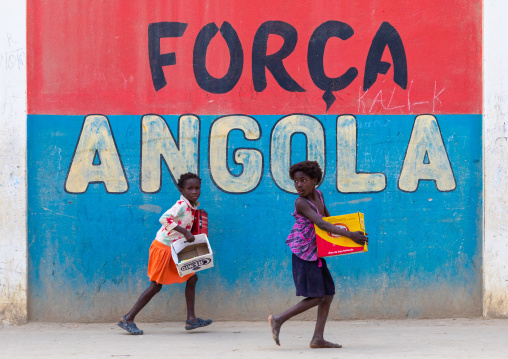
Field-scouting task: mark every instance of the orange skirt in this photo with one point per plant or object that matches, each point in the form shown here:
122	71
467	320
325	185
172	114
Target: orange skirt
161	266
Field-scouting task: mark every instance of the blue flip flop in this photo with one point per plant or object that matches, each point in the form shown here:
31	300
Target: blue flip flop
130	327
198	323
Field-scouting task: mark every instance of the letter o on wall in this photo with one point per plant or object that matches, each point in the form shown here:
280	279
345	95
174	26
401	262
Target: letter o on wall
280	146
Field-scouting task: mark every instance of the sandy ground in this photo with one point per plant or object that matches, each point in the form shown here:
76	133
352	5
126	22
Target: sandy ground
447	338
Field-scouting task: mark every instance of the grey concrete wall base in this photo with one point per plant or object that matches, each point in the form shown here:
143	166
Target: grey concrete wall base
495	160
13	150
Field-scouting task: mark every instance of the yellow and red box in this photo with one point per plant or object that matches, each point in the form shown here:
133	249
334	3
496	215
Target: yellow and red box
329	244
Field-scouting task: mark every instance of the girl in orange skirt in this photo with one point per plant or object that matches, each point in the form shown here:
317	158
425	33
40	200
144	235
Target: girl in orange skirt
176	224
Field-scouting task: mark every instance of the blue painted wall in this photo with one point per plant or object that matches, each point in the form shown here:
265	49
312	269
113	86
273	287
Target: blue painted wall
88	252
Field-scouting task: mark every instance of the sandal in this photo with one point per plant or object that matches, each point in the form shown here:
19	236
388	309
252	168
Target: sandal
198	323
130	327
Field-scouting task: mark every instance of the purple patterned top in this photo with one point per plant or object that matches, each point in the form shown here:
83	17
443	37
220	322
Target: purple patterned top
302	238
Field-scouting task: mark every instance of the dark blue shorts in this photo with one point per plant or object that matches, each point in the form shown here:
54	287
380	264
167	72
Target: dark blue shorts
311	280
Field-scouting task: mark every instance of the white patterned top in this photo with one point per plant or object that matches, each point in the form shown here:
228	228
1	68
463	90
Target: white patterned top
181	214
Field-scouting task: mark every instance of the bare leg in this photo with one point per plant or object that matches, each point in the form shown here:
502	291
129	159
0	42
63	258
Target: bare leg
318	340
190	296
192	321
143	300
276	321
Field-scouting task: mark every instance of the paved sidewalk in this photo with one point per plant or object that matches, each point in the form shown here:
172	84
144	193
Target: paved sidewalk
447	338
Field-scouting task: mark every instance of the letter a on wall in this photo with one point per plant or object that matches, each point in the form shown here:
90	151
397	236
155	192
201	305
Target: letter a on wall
426	158
96	159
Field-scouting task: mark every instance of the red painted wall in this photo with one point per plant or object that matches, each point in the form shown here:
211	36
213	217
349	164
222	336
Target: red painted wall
82	62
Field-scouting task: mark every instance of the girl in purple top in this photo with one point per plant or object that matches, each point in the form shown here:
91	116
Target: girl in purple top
310	273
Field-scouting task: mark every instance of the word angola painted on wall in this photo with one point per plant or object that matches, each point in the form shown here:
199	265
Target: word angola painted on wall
97	159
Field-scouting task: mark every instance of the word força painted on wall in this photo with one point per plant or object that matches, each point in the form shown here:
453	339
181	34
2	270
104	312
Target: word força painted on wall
96	157
386	36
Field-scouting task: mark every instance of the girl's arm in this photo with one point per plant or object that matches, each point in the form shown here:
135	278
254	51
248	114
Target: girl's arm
306	210
168	220
327	214
187	234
